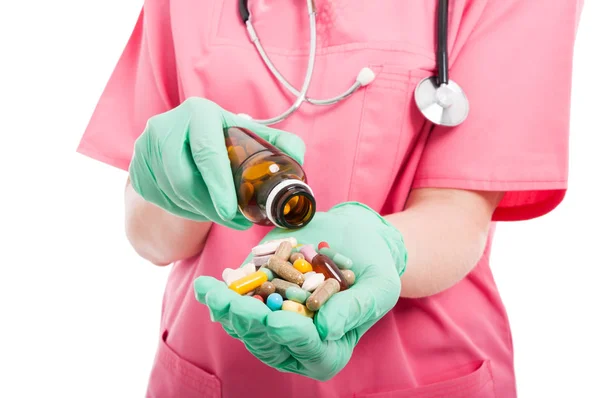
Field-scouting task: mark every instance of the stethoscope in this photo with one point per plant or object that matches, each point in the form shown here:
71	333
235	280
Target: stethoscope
441	100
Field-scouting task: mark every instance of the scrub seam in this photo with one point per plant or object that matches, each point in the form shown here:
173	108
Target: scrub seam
358	139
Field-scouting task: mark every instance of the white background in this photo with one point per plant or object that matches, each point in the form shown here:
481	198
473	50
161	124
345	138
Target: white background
80	311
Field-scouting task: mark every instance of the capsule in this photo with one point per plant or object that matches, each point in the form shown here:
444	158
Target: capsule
308	252
302	266
349	276
265	290
284	250
322	245
324	265
298	308
296	294
323	293
267	271
296	256
249	282
285	270
281	286
341	261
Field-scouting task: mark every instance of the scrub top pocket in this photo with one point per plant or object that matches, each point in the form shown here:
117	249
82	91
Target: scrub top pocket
191	381
388	130
477	384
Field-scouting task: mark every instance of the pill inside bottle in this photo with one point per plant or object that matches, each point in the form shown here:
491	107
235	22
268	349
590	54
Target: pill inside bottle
271	186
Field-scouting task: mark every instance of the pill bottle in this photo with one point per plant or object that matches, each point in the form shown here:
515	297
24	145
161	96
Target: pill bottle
271	186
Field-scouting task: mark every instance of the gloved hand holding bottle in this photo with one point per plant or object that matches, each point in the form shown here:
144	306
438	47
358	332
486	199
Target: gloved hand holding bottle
319	349
181	163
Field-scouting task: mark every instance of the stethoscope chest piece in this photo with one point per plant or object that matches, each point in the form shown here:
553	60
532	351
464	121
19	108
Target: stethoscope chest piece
445	104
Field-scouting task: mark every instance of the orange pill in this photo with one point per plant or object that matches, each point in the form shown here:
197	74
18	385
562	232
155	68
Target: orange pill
259	171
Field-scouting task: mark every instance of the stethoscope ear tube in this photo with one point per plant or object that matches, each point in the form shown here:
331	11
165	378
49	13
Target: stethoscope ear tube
442	42
244	12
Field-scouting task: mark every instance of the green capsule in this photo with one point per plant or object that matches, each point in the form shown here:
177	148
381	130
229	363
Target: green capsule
341	261
296	294
267	271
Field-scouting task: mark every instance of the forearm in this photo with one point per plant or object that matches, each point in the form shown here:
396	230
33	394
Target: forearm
159	236
444	237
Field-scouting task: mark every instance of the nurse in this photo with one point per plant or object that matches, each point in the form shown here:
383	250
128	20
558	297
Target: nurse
415	204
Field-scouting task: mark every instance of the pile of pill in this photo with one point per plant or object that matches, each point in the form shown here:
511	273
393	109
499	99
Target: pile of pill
293	277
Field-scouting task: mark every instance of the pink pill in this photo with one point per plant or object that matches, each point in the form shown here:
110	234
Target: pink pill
309	252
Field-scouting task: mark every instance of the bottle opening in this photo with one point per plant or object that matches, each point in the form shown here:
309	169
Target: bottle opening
291	205
297	211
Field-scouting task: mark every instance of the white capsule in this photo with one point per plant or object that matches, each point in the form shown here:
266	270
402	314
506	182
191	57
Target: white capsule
271	246
234	275
313	281
249	268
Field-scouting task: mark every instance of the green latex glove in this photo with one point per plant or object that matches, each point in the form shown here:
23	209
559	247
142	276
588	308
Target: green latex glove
180	161
319	349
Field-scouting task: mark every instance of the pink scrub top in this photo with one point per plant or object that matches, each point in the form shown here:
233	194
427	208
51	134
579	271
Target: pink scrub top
513	58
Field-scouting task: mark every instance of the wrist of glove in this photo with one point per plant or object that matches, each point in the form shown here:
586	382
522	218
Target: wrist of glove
319	348
180	161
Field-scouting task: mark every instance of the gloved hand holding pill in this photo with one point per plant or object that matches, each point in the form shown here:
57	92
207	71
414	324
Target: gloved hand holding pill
315	339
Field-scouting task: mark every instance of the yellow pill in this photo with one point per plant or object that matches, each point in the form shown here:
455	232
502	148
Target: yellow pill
292	306
302	265
286	209
257	171
293	201
249	282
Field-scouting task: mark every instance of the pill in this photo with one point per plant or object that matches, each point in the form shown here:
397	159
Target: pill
295	256
322	245
233	275
324	265
293	306
248	282
249	268
341	261
237	155
256	296
307	274
293	201
281	286
258	171
266	289
302	265
296	294
271	246
308	252
225	273
285	270
246	192
322	294
286	209
274	301
349	276
313	281
261	260
267	271
284	250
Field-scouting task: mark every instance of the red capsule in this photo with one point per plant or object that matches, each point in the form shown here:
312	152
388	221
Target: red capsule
256	296
322	245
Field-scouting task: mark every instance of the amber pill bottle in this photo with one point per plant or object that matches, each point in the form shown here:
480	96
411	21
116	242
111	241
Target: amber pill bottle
271	186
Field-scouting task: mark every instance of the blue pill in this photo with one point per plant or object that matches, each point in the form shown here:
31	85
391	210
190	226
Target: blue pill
274	301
